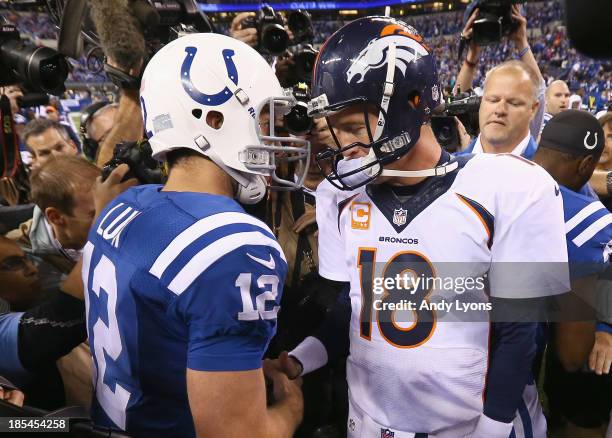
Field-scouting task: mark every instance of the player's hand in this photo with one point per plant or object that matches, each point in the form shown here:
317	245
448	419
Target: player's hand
248	35
284	364
519	36
13	396
106	191
600	359
287	393
308	218
468	32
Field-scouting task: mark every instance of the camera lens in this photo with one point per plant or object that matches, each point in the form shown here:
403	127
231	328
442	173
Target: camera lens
42	68
274	38
304	64
445	133
300	24
297	121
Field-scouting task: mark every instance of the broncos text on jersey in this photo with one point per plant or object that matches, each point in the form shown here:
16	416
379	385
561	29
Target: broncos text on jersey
422	371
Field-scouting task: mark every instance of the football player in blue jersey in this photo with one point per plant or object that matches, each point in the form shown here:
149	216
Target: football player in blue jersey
182	286
570	148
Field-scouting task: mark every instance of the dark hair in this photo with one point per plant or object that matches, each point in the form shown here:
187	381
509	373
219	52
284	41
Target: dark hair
175	156
38	126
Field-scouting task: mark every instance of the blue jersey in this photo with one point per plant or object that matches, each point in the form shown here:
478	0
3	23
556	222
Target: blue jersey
588	227
174	280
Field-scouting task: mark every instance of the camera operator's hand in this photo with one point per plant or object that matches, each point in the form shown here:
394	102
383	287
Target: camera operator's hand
468	32
106	191
464	137
248	35
134	71
13	396
285	70
519	36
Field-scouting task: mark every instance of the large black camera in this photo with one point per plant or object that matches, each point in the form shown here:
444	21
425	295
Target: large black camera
494	20
37	68
304	54
272	37
465	107
138	157
297	121
160	21
164	21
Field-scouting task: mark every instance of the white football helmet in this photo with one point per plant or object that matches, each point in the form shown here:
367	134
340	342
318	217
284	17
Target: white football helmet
199	73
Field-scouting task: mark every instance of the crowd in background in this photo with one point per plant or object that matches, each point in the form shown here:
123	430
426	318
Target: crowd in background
591	79
61	189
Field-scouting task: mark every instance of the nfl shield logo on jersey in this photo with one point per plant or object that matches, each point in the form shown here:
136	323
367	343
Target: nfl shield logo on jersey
386	433
399	216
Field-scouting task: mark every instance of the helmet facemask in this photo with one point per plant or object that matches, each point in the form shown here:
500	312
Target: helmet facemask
382	149
273	150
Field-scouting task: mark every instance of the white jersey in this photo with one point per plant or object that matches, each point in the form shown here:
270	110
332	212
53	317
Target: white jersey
424	370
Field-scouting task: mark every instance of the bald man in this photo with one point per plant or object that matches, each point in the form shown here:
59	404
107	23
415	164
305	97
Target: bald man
509	104
557	100
557	97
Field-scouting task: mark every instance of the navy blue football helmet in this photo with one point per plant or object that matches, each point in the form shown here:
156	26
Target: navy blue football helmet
379	62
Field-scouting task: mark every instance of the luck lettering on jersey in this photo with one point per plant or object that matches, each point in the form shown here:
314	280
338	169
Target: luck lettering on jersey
111	229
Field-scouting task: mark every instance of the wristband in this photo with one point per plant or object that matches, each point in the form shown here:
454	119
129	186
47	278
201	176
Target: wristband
522	52
311	353
603	327
471	64
609	182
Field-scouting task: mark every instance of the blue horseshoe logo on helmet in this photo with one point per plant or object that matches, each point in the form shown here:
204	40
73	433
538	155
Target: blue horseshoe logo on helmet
208	99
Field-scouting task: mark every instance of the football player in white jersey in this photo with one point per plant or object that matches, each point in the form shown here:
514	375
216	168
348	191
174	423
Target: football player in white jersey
418	227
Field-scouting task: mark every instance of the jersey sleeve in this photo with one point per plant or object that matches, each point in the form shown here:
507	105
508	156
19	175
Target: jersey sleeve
10	365
589	239
228	297
331	249
529	253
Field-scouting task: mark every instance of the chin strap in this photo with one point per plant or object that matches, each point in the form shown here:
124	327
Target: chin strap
387	91
251	188
436	171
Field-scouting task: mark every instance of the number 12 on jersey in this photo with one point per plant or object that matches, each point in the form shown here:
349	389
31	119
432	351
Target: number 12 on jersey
401	264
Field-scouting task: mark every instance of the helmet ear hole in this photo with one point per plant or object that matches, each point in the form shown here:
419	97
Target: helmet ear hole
196	112
214	119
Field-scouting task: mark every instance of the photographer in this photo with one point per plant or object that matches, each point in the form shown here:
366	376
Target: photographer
34	337
247	35
287	47
38	332
44	139
97	121
469	67
128	124
509	104
125	49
